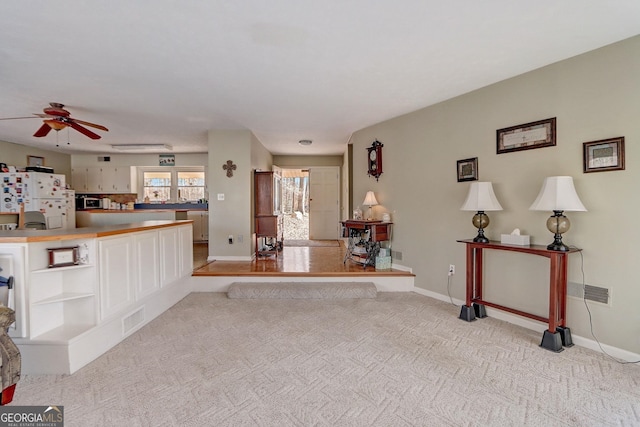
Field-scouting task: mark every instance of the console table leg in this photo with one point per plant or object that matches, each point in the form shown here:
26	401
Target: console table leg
480	309
467	313
565	335
552	341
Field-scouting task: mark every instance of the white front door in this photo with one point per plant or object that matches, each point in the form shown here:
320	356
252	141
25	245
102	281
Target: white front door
324	202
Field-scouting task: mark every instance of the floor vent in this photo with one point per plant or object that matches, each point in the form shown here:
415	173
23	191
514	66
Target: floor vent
591	293
132	321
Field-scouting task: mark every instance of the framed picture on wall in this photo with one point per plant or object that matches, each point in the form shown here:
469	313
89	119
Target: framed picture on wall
467	169
35	161
603	155
527	136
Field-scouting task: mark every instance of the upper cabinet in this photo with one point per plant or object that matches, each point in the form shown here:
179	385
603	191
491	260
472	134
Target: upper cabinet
104	179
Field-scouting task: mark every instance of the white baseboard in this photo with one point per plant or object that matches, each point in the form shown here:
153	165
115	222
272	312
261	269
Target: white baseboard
615	352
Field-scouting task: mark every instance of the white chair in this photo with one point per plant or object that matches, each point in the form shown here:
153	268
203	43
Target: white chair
35	219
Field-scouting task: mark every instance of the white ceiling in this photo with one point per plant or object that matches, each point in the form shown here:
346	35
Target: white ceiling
166	71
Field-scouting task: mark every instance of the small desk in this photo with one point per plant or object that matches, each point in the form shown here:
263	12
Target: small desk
558	334
365	234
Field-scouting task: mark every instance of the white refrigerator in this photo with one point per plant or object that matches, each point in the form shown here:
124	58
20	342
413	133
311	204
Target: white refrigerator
38	191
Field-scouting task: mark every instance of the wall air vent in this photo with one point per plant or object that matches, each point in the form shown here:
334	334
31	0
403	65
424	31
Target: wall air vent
589	292
133	321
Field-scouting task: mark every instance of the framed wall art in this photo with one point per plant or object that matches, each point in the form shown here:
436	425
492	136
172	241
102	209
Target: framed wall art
603	155
467	169
527	136
35	161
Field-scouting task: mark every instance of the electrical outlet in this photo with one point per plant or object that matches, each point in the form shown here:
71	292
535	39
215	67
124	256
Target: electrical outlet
240	238
452	269
231	239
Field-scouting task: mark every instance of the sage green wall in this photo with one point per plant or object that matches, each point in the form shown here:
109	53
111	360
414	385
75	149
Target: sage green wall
594	96
234	215
16	155
306	161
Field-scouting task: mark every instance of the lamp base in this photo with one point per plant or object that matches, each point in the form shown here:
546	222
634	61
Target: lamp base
558	247
480	220
557	244
480	239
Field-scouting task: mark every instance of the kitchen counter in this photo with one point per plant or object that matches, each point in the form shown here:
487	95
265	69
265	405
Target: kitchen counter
27	236
174	206
140	211
101	217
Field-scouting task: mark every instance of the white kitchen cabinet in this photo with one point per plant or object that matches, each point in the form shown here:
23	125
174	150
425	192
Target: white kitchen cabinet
185	251
117	274
79	180
169	256
103	179
147	260
87	180
200	225
116	179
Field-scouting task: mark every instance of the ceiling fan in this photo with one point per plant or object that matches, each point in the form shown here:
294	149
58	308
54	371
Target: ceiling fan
57	118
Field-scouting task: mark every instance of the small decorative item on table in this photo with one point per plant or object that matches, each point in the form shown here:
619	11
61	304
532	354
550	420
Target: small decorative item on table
383	263
515	238
63	257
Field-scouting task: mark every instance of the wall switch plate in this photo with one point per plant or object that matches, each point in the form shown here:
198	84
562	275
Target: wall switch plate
220	196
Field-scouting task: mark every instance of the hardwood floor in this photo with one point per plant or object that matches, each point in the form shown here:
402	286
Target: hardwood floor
294	261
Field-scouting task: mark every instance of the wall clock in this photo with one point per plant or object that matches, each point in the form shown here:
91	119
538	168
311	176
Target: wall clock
374	159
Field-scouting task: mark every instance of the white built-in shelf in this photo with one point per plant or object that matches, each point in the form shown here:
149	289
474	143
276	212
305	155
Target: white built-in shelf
65	296
62	334
56	269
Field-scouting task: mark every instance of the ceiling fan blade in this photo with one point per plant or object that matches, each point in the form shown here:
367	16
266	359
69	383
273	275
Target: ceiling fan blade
82	122
43	131
82	130
16	118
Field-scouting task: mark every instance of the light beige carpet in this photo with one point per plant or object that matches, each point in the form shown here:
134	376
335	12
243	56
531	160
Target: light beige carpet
311	243
401	359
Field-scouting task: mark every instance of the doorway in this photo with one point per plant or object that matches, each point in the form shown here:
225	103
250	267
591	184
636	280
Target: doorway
295	203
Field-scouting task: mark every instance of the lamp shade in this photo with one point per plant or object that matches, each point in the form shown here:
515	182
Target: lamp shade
481	198
558	194
370	199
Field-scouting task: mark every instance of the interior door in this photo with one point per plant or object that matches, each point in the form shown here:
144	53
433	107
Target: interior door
324	202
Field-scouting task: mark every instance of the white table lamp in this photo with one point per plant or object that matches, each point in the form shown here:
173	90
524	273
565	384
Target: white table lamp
558	195
481	198
370	200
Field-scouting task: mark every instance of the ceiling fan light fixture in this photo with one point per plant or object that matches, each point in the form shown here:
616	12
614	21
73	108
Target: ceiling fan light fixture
305	142
153	147
55	124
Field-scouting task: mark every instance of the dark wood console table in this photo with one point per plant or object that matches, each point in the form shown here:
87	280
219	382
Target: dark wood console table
367	235
558	334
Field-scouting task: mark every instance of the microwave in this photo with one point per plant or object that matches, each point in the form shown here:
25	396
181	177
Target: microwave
84	203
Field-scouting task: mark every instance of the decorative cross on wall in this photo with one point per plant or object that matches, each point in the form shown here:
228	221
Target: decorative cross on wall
229	167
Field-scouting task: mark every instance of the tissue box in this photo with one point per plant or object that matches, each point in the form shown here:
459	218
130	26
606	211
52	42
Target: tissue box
383	263
514	239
